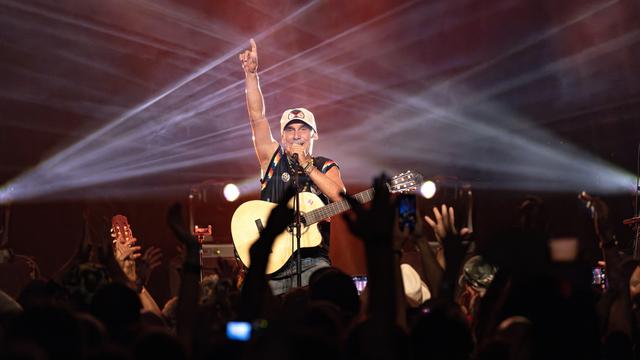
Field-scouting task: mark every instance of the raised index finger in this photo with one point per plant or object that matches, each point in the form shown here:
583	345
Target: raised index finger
254	48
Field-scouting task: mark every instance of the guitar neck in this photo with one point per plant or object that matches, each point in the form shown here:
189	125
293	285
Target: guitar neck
335	208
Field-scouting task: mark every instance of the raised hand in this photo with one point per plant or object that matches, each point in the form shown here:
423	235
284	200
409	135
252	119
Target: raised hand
375	226
151	259
126	254
256	291
175	222
280	218
125	249
444	223
378	221
249	58
189	288
599	214
451	240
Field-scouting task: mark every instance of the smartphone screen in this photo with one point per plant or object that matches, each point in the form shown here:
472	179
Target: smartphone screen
238	330
361	282
407	212
599	278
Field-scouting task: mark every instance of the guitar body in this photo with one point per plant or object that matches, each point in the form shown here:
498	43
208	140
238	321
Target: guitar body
251	217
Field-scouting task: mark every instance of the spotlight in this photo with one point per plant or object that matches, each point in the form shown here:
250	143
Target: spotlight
231	192
428	189
6	194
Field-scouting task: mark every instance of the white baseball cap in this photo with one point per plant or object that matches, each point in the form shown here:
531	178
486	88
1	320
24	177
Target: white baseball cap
415	290
299	114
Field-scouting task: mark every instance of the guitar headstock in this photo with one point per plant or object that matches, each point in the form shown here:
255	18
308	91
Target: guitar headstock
120	229
405	182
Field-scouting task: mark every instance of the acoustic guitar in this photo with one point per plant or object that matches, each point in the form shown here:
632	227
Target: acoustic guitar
251	217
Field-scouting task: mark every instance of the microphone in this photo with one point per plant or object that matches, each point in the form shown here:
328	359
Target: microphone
294	156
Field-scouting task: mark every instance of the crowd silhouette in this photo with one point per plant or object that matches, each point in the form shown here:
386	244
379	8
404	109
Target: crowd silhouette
523	296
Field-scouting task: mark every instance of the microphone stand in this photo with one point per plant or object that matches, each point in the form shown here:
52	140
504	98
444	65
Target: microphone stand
635	220
636	244
297	219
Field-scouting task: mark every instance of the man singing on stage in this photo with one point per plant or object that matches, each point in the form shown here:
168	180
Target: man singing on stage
317	174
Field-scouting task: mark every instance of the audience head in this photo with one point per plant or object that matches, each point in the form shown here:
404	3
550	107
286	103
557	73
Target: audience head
442	333
118	307
336	287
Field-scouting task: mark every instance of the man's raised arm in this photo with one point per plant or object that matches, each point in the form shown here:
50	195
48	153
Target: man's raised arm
263	140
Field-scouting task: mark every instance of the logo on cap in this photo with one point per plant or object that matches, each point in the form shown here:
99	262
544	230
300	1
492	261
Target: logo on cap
296	114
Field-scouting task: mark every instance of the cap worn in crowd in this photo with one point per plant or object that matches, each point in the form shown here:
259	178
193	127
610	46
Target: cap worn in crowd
415	290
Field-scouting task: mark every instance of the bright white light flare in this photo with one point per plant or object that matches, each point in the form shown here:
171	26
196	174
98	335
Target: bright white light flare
428	189
231	192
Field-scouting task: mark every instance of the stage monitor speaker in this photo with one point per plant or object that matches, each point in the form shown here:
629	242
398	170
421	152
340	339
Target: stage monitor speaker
216	255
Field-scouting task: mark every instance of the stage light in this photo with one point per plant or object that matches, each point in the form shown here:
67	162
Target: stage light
231	192
149	138
452	124
428	189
